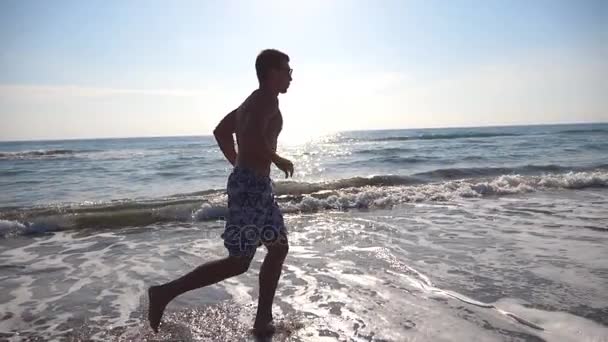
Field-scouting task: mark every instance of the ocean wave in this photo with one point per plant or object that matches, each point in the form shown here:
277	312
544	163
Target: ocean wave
93	154
399	160
41	154
446	136
10	228
6	225
388	196
385	151
14	172
438	175
301	188
583	131
43	220
470	172
353	193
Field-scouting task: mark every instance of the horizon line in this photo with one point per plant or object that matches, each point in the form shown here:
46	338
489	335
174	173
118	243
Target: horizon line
332	132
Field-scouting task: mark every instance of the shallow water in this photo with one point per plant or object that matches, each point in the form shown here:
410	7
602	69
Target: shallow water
527	267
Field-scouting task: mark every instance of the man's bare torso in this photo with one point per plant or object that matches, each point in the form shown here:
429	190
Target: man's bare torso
248	155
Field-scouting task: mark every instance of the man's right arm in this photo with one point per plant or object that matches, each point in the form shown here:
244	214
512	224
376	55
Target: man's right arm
224	136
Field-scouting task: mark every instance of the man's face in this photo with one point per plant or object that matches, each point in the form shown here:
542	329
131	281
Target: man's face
283	77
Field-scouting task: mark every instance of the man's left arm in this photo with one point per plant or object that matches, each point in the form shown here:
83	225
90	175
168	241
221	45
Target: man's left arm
223	135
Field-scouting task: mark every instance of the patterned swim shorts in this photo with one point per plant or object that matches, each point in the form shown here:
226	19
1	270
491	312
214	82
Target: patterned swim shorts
254	217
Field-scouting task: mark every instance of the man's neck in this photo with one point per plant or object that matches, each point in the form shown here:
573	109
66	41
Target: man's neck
269	90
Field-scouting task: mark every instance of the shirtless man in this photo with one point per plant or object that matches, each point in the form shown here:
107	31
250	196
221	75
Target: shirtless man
253	217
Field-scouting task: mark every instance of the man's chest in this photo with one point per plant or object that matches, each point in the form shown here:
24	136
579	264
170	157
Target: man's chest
275	124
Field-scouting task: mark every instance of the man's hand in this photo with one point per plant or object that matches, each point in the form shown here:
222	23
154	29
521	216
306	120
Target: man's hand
284	165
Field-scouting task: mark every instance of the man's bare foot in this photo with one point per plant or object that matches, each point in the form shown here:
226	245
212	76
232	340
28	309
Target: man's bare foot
157	303
263	326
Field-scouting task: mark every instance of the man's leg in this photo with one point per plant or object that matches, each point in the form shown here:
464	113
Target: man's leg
206	274
270	272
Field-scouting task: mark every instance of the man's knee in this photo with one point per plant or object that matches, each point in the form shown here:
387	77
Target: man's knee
240	264
279	249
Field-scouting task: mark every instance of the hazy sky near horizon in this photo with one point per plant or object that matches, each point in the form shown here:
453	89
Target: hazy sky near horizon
83	69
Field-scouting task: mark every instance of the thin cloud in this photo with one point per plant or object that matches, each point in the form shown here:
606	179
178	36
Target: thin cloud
67	91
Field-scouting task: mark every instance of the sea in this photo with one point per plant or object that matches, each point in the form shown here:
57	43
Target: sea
453	234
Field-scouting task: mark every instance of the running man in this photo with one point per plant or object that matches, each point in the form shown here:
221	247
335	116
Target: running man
253	216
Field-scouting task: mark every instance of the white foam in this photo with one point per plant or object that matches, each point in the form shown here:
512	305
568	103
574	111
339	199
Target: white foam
208	211
9	228
575	180
16	305
558	326
7	224
387	196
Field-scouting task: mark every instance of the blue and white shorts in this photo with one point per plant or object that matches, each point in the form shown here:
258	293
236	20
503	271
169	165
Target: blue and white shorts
254	217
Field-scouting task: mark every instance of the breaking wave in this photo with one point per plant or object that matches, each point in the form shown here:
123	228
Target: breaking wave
382	191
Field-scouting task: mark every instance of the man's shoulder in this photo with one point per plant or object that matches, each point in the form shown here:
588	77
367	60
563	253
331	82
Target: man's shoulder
258	101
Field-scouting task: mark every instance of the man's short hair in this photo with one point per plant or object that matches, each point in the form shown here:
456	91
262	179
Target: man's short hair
267	60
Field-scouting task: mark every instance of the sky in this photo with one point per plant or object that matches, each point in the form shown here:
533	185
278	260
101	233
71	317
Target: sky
88	69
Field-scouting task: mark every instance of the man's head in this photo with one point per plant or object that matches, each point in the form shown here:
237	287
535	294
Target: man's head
272	68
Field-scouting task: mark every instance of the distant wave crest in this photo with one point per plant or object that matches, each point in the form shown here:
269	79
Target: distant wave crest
39	154
583	131
470	172
445	136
